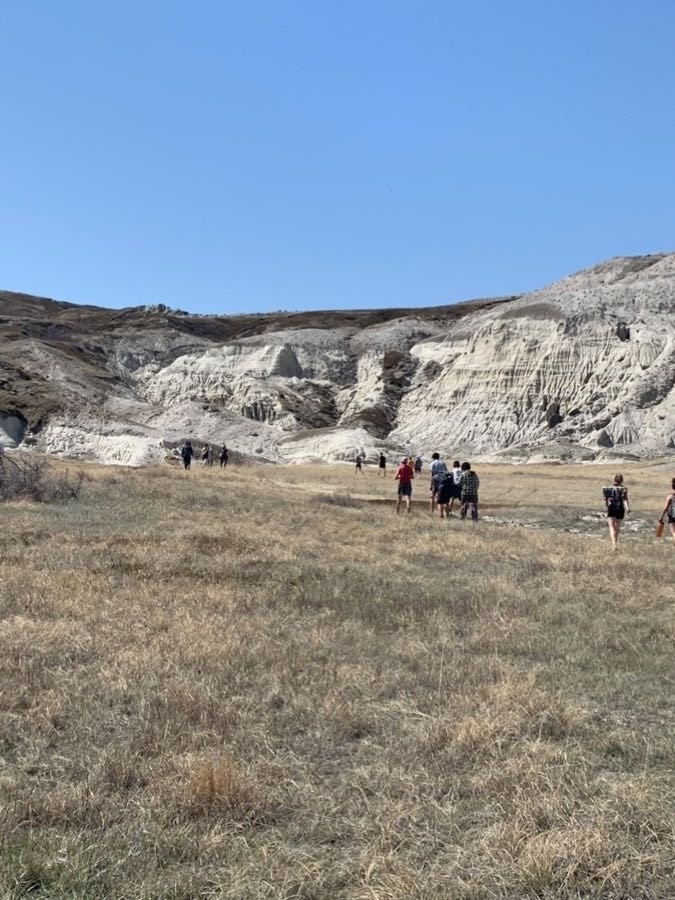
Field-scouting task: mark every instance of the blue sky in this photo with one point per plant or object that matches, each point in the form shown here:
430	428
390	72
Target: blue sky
224	157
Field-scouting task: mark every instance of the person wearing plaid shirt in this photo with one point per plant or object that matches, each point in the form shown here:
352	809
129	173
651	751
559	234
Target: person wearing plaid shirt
469	484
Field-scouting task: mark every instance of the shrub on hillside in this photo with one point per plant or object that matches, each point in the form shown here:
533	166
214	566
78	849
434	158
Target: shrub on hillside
34	479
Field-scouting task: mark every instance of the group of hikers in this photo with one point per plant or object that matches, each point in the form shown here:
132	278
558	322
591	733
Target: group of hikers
207	455
460	483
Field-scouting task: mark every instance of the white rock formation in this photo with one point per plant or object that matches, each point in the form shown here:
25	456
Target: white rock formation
590	360
582	369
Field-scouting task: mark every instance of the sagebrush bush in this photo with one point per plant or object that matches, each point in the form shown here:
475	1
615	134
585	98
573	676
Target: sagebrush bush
26	478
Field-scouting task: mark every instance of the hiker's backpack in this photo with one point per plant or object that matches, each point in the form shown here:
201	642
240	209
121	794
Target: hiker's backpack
445	483
614	500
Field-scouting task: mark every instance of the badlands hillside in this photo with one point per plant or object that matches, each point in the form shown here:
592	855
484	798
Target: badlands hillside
583	369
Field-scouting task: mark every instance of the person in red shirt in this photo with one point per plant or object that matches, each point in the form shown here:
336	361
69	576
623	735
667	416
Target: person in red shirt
404	476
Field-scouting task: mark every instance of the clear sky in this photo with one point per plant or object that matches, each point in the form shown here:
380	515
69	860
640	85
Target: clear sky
319	154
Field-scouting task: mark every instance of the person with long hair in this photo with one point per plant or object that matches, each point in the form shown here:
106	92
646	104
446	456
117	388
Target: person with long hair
616	501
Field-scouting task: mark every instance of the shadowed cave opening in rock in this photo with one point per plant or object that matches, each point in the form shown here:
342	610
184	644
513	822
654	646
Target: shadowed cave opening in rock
12	427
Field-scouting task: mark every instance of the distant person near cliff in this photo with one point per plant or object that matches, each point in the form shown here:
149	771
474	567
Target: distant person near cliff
358	464
222	457
187	453
382	465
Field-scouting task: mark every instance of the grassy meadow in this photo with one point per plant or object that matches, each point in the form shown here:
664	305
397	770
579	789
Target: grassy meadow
262	683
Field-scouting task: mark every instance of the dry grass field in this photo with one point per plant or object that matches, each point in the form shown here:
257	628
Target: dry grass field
262	683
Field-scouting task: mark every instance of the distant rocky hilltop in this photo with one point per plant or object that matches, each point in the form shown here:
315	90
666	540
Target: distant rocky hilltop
583	369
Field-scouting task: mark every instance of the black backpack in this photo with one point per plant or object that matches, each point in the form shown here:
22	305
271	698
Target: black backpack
614	499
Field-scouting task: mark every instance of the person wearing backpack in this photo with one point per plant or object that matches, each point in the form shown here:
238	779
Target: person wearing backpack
437	470
456	494
669	510
616	501
444	493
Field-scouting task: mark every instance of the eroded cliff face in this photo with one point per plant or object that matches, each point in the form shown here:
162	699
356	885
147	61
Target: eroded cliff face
584	369
589	361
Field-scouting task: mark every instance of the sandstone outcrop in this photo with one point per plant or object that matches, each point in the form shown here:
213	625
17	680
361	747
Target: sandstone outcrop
582	369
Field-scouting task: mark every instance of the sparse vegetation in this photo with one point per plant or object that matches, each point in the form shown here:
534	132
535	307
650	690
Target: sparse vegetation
261	683
31	478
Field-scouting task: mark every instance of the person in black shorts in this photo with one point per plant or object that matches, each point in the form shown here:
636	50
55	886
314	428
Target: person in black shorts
669	510
616	501
382	465
456	473
444	494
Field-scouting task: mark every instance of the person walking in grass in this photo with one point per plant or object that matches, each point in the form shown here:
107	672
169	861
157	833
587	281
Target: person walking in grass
358	464
186	454
205	455
444	494
222	457
418	466
669	510
456	473
469	485
404	476
382	465
437	470
616	501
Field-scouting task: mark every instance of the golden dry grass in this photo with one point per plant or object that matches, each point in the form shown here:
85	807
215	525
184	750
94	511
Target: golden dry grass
261	683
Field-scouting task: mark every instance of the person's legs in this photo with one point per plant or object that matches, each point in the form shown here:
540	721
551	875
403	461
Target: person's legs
613	525
463	508
474	510
671	525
